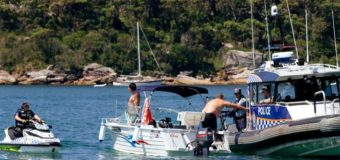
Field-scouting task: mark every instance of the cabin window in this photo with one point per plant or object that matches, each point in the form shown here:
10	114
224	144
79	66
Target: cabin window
260	90
329	86
285	92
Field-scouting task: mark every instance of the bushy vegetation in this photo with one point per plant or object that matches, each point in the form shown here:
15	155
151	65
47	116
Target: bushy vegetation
184	35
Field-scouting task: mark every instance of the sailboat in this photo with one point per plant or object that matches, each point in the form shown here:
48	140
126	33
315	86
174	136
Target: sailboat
139	80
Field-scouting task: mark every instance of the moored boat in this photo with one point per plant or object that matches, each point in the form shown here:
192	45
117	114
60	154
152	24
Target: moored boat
163	138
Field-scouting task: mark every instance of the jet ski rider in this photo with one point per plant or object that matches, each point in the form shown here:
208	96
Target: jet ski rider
24	115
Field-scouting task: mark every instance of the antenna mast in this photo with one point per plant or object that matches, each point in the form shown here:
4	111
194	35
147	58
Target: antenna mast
267	28
291	25
307	47
252	32
335	47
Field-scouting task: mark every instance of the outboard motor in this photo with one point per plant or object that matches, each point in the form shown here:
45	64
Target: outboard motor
204	139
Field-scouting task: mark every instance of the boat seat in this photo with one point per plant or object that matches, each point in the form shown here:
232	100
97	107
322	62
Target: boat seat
190	119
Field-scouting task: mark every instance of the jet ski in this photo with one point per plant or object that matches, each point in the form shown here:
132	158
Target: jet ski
37	137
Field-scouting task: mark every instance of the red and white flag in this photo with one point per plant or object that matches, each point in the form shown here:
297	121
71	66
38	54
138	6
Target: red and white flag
147	116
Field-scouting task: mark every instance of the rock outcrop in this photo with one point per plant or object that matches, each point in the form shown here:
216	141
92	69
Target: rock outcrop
44	76
6	78
96	74
235	58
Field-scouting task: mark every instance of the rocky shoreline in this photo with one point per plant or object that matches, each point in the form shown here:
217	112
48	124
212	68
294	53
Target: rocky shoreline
97	74
236	68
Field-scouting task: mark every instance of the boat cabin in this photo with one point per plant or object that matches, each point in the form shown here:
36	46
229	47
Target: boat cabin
284	90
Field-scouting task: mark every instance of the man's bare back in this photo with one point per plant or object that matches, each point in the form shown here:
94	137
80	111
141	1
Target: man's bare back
216	105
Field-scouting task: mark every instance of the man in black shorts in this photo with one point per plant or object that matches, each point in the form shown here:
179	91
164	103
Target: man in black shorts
213	109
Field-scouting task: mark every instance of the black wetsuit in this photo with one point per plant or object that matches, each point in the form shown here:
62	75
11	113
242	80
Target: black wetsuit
210	121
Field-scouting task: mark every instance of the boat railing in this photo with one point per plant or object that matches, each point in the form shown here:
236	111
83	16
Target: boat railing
324	101
110	120
332	104
296	67
324	65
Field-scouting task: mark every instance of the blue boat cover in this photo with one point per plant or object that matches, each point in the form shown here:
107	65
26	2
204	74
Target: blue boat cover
184	91
260	77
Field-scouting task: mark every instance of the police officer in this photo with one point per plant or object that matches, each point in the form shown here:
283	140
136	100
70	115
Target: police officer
239	115
24	115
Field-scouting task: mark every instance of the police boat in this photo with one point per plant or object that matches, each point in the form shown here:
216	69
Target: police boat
147	136
301	116
36	138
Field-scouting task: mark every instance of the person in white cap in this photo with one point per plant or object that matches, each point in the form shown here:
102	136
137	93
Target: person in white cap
267	99
239	97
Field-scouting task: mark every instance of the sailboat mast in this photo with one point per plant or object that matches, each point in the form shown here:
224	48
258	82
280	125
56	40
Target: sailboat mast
138	51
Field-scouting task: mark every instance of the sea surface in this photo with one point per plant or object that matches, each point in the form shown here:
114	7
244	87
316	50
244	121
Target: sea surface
75	114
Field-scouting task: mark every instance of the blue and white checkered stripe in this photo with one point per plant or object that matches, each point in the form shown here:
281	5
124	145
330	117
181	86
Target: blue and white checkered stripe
261	123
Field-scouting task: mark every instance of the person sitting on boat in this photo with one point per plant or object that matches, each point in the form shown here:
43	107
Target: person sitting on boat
267	98
133	103
239	115
213	109
23	116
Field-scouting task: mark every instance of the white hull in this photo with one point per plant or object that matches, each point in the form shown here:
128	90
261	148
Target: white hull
156	141
139	83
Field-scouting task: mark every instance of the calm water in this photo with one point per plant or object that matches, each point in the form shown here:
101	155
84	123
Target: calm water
75	113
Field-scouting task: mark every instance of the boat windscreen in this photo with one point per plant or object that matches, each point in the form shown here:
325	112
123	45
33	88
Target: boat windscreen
184	91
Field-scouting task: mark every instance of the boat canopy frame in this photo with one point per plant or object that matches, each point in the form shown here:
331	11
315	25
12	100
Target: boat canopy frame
183	91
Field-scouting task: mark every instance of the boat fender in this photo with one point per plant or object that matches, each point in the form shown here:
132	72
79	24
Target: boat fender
101	136
135	134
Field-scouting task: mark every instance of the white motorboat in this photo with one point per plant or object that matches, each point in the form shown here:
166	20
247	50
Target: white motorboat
37	138
163	138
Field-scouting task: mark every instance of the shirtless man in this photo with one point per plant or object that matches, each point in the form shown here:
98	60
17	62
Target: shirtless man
134	99
133	104
213	109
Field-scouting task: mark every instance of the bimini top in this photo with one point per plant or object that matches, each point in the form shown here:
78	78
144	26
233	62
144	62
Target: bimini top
260	77
184	91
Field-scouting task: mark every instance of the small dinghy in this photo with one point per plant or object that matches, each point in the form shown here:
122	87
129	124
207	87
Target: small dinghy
100	85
